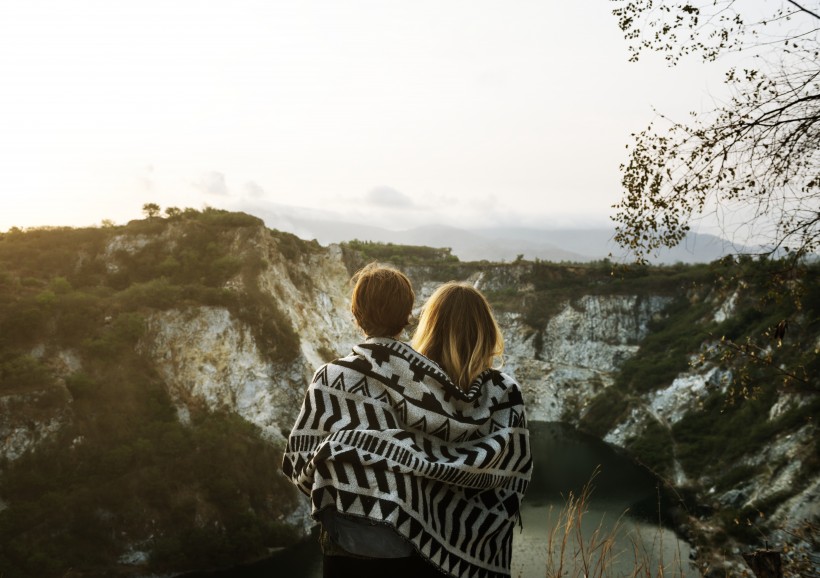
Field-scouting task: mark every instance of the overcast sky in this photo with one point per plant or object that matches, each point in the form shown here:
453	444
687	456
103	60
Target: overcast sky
469	112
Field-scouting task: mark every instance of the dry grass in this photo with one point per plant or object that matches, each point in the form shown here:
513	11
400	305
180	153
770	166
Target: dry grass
576	551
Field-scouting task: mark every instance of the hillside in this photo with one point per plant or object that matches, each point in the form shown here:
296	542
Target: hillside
149	374
578	245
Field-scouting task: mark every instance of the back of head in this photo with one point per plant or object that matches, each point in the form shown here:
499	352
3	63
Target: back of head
382	300
457	329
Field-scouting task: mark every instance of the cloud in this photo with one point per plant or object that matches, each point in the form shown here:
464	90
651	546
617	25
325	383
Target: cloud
254	190
212	183
387	197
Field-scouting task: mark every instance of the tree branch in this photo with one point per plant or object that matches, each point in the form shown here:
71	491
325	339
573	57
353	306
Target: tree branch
806	10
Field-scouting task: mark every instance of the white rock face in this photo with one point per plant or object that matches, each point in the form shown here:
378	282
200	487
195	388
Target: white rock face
687	391
317	304
726	309
36	414
669	405
208	357
27	423
583	345
600	332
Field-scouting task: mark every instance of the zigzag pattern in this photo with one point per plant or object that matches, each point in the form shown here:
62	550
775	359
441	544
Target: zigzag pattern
384	434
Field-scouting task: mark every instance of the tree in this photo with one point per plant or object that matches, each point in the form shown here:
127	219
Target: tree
753	161
151	210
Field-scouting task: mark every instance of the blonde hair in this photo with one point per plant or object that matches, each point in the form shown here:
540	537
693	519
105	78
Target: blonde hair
382	300
457	330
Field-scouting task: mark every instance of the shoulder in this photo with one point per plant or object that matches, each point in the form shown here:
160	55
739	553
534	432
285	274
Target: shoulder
506	383
501	379
333	368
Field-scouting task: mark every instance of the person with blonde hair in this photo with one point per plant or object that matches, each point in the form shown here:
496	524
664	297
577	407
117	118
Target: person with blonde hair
457	329
409	472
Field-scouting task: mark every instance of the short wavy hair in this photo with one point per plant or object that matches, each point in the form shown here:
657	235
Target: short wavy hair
382	300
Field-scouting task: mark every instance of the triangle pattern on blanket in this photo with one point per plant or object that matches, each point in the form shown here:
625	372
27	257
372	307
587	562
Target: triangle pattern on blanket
361	466
425	539
339	382
515	418
443	431
404	520
495	426
420	424
347	499
415	529
401	410
435	547
368	502
361	387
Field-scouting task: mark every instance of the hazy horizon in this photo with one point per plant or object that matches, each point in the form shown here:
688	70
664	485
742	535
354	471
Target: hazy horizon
464	113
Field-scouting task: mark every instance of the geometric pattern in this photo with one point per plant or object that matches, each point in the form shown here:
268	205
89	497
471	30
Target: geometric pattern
384	434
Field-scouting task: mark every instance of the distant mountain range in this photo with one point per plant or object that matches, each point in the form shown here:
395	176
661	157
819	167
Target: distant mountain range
493	244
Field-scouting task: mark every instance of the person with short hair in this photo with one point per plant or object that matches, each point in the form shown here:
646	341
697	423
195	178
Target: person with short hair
411	473
382	301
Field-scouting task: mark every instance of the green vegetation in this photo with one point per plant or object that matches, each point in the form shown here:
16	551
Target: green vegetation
397	255
123	472
768	346
66	283
195	497
743	343
419	263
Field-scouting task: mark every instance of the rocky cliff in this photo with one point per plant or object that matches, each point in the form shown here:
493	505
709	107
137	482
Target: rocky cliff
227	318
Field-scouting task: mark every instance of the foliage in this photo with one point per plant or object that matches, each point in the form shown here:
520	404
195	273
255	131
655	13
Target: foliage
770	341
271	327
21	371
720	434
735	418
653	447
665	352
755	155
124	472
605	410
136	470
359	253
151	210
292	247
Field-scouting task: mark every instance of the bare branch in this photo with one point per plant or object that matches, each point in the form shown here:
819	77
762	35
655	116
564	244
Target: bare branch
807	11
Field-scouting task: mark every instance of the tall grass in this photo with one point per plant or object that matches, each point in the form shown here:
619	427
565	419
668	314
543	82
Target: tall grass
573	551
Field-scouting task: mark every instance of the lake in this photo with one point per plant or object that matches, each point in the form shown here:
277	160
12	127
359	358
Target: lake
622	506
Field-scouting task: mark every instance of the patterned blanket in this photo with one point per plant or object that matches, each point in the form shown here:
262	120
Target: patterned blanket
385	435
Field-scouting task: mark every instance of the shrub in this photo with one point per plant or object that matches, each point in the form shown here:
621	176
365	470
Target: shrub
18	371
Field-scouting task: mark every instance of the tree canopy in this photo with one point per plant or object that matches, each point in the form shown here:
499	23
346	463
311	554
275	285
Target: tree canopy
752	162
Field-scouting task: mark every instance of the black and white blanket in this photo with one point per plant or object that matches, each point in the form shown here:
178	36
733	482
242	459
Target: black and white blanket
385	435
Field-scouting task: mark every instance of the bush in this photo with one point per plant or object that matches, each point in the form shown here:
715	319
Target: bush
604	411
359	253
19	371
655	448
158	293
666	350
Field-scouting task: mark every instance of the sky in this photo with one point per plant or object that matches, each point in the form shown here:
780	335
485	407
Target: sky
470	113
